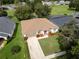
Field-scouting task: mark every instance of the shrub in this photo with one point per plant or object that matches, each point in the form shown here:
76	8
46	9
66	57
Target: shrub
3	13
15	49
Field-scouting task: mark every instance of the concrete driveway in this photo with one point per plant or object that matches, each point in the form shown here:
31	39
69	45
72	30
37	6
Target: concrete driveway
36	51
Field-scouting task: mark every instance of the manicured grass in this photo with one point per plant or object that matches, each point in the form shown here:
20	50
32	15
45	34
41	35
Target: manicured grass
50	45
10	12
17	39
60	10
5	53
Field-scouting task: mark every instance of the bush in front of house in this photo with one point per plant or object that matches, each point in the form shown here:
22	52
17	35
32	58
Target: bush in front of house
3	13
15	49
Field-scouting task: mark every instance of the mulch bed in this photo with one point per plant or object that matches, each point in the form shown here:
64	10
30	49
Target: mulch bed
52	34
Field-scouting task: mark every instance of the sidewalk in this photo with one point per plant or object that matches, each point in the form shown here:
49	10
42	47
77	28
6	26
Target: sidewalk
36	52
56	55
35	49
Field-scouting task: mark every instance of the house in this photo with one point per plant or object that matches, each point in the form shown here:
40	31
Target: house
8	7
22	3
76	15
33	26
61	2
60	20
49	3
6	28
67	2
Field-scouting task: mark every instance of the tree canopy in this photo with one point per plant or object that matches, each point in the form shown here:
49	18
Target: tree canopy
70	32
32	9
74	4
7	1
69	39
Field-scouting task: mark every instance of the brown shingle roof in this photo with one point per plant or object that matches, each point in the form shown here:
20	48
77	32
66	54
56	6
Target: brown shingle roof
30	27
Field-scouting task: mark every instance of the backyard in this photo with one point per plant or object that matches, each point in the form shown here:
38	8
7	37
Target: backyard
60	10
50	45
17	39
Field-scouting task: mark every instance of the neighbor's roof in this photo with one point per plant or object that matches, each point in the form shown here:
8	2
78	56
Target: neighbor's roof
60	20
6	27
31	26
76	14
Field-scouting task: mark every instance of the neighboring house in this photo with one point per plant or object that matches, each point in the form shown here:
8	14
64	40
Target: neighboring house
22	3
8	7
67	2
49	3
61	2
3	8
76	15
32	26
60	20
6	28
12	6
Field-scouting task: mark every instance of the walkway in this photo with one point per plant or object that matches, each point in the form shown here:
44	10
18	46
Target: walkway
34	48
36	51
55	55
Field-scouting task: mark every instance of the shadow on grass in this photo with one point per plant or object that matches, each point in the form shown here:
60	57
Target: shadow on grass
28	54
66	56
14	34
71	9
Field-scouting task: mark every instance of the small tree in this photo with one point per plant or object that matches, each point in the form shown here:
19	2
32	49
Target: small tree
3	13
7	1
15	49
74	4
75	52
23	12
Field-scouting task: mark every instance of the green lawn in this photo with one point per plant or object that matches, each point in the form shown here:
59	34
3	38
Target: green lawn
17	39
60	10
10	12
50	45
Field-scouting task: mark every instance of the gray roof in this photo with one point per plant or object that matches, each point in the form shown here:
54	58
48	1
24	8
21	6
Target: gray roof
3	35
76	14
60	20
6	27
